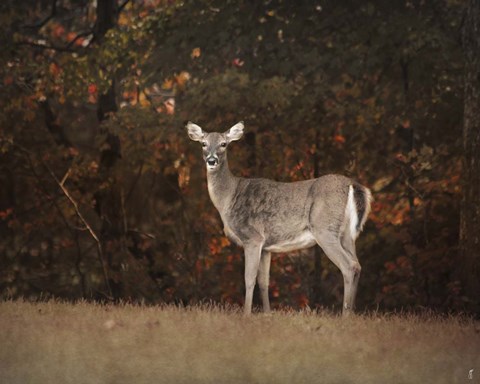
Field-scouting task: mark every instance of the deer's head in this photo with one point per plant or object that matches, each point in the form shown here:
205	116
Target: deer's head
214	144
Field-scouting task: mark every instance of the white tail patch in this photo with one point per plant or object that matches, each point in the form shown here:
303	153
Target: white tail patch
368	205
351	213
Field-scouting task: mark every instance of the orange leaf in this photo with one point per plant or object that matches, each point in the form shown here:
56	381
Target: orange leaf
54	69
196	52
58	31
182	78
143	100
167	84
224	242
339	139
71	36
123	19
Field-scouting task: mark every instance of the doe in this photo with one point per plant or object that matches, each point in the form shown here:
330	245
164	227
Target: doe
265	216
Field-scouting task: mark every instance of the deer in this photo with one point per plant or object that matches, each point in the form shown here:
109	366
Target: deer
265	216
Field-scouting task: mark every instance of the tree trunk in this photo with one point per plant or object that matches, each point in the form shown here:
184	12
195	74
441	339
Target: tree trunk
470	214
107	15
51	121
108	201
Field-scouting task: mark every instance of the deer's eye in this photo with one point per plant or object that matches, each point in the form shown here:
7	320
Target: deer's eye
223	144
204	144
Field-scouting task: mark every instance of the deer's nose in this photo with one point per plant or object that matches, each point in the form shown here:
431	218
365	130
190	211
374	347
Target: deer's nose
212	161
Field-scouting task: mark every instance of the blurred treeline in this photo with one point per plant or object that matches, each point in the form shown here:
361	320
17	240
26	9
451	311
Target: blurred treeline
103	196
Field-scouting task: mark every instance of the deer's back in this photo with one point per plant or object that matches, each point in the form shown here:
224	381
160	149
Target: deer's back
280	212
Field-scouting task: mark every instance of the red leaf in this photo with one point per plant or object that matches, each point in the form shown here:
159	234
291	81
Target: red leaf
92	89
339	139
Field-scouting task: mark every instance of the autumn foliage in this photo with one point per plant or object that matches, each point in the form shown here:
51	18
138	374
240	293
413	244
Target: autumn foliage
371	90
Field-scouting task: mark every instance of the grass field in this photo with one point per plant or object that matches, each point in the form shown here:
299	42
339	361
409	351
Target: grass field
85	343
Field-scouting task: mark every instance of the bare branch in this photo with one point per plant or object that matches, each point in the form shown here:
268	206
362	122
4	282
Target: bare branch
69	45
84	221
79	36
120	8
67	48
45	46
65	177
67	194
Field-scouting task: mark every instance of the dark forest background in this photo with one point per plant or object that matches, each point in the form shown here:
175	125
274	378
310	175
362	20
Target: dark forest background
103	196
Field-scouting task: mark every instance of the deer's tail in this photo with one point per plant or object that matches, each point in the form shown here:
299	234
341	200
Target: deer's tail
357	208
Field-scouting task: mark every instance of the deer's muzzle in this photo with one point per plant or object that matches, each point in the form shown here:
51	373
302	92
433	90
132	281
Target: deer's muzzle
211	161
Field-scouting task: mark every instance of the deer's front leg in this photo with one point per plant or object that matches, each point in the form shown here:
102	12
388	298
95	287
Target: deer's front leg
263	279
252	260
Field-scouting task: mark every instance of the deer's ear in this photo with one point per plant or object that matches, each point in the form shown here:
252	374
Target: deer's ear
236	132
194	131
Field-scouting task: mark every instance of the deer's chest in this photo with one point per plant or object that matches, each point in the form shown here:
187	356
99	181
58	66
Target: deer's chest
231	235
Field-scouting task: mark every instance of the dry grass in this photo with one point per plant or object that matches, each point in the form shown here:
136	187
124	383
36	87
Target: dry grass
84	343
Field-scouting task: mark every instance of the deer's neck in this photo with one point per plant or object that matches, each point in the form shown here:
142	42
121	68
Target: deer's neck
221	186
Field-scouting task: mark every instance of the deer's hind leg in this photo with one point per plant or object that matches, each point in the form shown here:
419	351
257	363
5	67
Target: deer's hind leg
341	251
